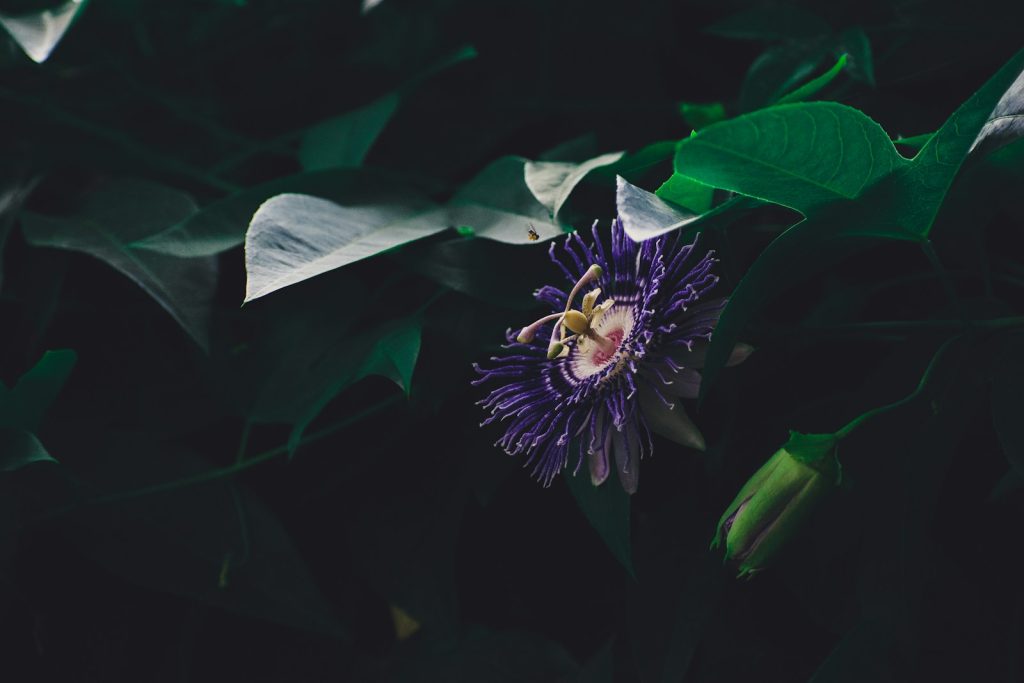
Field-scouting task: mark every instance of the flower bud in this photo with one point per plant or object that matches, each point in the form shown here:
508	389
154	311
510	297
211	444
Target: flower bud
774	503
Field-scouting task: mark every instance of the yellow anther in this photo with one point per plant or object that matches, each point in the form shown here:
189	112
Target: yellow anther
576	321
588	301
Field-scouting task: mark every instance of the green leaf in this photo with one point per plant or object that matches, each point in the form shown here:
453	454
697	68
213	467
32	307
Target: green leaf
25	406
300	359
122	212
902	205
606	507
499	206
551	182
496	273
798	155
687	193
644	215
19	448
859	656
344	141
701	115
634	164
973	124
294	237
813	86
221	225
39	33
668	609
389	352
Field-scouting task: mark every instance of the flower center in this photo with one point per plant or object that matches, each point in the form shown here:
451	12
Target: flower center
600	355
589	357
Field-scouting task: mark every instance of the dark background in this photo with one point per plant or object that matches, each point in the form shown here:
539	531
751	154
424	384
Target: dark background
908	573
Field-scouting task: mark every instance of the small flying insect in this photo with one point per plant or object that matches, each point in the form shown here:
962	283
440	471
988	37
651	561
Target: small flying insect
531	234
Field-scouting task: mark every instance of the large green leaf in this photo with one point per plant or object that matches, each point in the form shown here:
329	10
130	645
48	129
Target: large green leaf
294	237
799	155
221	225
344	141
125	211
846	212
551	182
606	507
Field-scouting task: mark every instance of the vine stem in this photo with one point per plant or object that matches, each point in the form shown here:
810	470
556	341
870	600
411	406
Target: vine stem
241	465
925	378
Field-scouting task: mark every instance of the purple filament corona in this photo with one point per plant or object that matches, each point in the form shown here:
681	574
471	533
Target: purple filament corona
602	401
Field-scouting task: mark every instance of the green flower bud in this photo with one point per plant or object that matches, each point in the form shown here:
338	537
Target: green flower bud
773	504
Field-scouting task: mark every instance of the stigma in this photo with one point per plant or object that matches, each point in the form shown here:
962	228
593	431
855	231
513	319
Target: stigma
577	326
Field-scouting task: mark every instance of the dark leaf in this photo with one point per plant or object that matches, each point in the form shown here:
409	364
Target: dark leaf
216	543
901	204
123	212
778	70
19	448
701	115
860	65
782	22
606	507
1008	399
25	405
344	141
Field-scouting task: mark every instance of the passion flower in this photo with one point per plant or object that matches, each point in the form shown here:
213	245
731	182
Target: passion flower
596	381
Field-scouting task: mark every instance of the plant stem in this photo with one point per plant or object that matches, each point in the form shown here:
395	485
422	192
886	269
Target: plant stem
925	378
222	472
